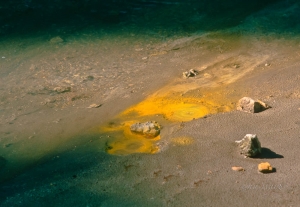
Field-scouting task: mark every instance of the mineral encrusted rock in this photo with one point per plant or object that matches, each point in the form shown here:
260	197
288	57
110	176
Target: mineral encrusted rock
247	104
190	73
249	145
265	167
149	129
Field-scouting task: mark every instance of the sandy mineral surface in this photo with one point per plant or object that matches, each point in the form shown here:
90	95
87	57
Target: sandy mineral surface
69	96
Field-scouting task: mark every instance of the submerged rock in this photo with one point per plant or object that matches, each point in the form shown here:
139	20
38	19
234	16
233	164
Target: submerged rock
247	104
249	145
265	167
56	40
149	129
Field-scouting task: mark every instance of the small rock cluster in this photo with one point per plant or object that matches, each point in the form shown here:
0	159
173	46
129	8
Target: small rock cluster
149	129
190	73
250	145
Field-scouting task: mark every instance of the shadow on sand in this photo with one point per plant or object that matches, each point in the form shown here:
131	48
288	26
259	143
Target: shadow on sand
266	153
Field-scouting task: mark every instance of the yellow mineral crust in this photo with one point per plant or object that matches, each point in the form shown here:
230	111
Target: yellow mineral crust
174	108
182	141
175	103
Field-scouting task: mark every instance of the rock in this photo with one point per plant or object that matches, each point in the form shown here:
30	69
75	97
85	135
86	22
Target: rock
247	104
62	89
56	40
250	145
95	106
190	73
265	167
238	168
148	129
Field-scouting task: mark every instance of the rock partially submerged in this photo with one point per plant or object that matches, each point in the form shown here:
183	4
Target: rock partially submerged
190	73
265	167
149	129
247	104
249	145
56	40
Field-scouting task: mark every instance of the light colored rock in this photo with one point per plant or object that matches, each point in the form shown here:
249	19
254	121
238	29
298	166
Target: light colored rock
249	145
190	73
238	168
149	129
94	106
265	167
247	104
62	89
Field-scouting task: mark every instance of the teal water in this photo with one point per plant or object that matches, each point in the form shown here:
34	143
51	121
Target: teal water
176	16
48	154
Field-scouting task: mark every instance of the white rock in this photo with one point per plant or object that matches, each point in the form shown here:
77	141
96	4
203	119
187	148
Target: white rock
249	145
148	129
247	104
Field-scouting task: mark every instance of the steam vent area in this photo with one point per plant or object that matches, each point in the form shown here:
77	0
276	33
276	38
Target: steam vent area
145	103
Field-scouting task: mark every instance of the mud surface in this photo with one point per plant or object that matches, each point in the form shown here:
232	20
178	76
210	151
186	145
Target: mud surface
70	93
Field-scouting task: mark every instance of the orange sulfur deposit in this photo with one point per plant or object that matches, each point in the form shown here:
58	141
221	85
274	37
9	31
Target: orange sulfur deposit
124	142
173	106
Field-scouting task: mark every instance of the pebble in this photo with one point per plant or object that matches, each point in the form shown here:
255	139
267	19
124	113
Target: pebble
238	168
62	89
265	167
94	106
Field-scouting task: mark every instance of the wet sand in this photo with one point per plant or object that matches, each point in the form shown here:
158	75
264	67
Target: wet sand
57	151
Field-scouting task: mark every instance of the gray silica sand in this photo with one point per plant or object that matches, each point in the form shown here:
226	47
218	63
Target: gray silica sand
52	152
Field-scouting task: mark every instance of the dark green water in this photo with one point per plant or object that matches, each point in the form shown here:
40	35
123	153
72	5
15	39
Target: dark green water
33	17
